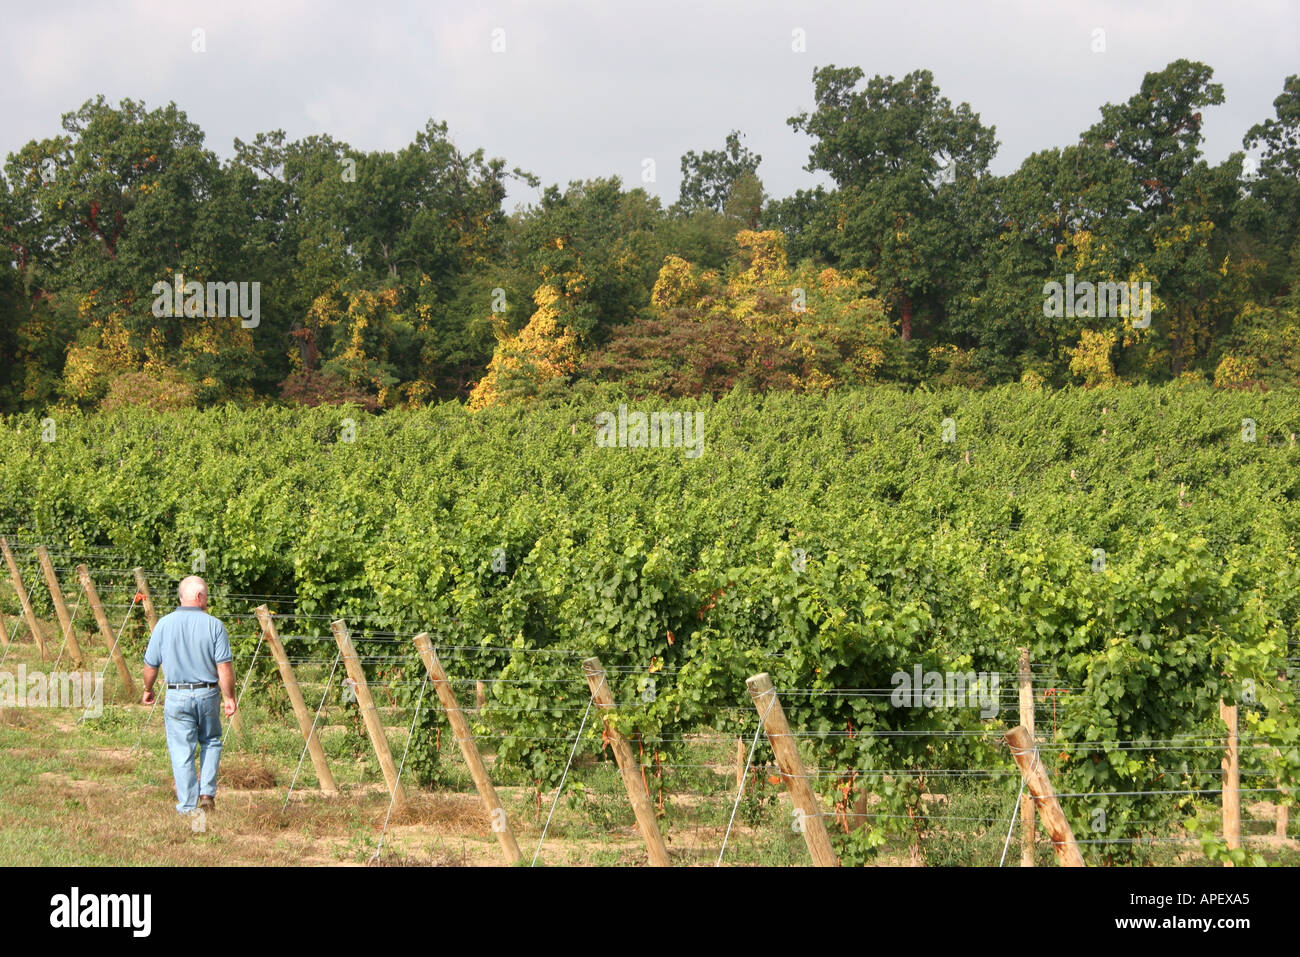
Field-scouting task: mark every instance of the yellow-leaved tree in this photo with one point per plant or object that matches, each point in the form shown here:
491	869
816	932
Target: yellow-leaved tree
822	327
358	342
167	362
543	351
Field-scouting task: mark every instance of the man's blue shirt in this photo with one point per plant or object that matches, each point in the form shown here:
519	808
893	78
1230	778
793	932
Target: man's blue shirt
189	644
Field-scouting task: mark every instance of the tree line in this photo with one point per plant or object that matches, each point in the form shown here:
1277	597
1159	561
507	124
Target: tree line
396	278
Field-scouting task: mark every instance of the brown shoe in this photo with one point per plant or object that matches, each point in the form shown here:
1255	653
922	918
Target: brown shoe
207	802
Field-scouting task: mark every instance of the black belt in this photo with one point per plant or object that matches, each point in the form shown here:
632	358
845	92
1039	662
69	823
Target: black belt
191	687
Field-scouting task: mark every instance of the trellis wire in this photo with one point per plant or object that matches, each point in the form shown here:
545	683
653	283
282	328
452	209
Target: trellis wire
307	744
577	738
740	791
400	768
1015	810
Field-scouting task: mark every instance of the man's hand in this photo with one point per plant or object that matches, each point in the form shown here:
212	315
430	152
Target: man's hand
150	676
226	678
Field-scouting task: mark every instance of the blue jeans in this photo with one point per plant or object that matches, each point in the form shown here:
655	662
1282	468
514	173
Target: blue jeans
193	718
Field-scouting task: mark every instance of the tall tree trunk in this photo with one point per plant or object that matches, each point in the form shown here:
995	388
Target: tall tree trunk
307	351
905	325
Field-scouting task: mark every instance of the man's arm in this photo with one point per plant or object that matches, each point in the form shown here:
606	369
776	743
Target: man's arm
152	662
225	668
226	678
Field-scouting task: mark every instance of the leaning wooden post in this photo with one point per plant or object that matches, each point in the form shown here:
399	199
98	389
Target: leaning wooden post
60	606
1044	795
460	728
792	770
105	630
374	727
272	637
1028	830
636	791
23	599
142	586
1231	781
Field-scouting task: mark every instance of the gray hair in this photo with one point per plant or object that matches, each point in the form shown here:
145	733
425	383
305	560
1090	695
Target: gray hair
192	589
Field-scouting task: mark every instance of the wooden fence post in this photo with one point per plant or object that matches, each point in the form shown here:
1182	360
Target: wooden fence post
1231	781
150	615
1025	752
142	586
808	808
374	727
105	630
1028	826
60	607
636	790
23	599
272	637
460	728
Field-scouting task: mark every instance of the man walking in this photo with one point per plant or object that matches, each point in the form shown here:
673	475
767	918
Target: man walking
193	648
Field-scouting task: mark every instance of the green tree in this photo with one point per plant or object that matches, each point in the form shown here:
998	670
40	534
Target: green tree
903	158
125	198
1157	131
708	178
1035	220
599	246
745	201
1179	228
351	228
1271	209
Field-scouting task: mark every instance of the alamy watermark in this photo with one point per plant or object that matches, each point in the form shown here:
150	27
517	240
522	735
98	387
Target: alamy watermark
946	689
655	430
1104	300
194	300
58	689
76	909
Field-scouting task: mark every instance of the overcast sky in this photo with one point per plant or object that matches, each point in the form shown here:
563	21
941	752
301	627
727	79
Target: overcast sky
596	87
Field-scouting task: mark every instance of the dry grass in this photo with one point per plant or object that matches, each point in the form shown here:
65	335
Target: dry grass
246	774
16	718
452	812
441	857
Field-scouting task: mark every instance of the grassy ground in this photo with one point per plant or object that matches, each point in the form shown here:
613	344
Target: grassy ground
99	792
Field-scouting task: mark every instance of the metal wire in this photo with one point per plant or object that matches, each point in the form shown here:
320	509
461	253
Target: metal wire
247	675
1015	810
565	775
109	660
310	733
401	767
740	791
